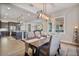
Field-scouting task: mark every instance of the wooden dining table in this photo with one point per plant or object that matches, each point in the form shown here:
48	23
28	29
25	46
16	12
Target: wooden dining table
36	43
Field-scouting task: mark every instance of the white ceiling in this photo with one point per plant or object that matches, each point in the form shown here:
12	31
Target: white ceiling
27	11
50	7
15	13
53	7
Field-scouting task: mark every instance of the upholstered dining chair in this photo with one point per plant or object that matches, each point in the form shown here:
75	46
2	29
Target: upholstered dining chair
30	35
37	34
0	34
51	49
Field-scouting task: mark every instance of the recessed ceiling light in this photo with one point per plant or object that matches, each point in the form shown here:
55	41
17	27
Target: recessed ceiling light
9	8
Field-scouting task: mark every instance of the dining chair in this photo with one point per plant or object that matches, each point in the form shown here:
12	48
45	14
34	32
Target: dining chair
37	34
31	50
30	35
18	35
0	34
43	34
52	48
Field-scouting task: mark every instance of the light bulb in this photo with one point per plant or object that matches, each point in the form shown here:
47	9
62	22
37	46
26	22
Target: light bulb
76	27
9	8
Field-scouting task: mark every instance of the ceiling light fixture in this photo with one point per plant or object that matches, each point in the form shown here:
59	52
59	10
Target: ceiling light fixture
76	27
9	8
42	13
44	16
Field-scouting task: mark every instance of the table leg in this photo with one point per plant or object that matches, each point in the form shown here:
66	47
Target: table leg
37	52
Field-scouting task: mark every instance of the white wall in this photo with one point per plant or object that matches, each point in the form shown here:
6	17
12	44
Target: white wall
0	10
78	20
71	19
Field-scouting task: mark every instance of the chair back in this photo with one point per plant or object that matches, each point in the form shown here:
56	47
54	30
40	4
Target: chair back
37	34
0	34
54	45
30	35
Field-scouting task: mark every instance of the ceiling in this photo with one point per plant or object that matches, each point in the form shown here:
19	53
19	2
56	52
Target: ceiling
53	7
50	7
10	11
28	11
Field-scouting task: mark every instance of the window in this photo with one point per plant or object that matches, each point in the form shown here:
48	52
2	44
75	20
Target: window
50	27
29	27
59	24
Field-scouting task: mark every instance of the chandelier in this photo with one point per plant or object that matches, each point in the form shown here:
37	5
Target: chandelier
42	14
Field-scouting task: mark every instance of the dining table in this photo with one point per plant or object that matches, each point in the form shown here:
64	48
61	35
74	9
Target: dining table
35	43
